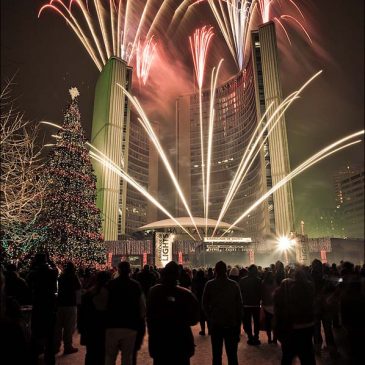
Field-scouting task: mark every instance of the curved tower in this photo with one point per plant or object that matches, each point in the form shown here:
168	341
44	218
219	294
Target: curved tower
110	134
277	165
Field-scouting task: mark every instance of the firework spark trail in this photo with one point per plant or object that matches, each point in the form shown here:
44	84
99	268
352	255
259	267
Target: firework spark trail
144	57
257	135
87	143
179	13
125	176
247	159
148	127
239	176
233	18
51	124
103	154
87	17
213	86
199	44
262	144
265	7
283	28
165	4
298	23
144	12
101	20
112	17
109	30
239	20
224	29
305	165
71	21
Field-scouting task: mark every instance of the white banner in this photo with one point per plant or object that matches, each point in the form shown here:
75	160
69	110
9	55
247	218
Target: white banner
227	239
163	248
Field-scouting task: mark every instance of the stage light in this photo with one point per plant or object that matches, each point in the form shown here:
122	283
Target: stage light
284	243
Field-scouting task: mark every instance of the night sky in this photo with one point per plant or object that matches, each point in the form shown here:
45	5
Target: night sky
48	59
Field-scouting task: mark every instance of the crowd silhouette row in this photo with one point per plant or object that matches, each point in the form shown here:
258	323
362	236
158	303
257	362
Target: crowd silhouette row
42	307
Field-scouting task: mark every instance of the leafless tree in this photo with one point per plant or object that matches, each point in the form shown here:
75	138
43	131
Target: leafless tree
20	186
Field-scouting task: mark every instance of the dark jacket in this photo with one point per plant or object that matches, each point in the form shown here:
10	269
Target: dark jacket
293	307
250	290
42	281
17	288
267	293
147	280
92	316
125	304
197	287
171	310
68	285
222	302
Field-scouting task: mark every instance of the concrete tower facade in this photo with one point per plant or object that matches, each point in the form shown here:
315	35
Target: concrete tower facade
110	134
277	141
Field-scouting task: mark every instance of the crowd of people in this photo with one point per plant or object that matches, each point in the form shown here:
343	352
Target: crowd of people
112	310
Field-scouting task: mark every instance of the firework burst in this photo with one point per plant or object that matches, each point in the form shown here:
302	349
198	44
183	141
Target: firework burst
144	56
109	28
273	10
199	44
233	18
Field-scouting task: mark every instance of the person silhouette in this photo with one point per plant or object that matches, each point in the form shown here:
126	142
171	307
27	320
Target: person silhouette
171	310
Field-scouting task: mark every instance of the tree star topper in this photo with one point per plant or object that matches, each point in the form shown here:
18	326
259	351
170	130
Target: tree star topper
74	93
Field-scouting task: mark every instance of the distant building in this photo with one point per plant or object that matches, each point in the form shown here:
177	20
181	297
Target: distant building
352	190
240	103
341	175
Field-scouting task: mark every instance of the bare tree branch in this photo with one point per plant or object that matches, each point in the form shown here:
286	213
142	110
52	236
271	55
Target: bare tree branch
21	188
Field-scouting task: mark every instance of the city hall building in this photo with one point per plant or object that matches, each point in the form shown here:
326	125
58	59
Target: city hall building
239	105
240	102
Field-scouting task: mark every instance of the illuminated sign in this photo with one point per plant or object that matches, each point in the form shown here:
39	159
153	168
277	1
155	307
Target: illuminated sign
163	248
226	248
227	239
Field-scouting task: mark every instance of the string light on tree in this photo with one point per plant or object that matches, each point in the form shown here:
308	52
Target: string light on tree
70	215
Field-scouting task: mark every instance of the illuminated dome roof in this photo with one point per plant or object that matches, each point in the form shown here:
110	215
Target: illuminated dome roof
185	222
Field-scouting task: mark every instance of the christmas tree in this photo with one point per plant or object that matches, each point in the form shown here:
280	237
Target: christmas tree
69	214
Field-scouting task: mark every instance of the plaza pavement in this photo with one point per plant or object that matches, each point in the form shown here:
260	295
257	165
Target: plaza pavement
264	354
